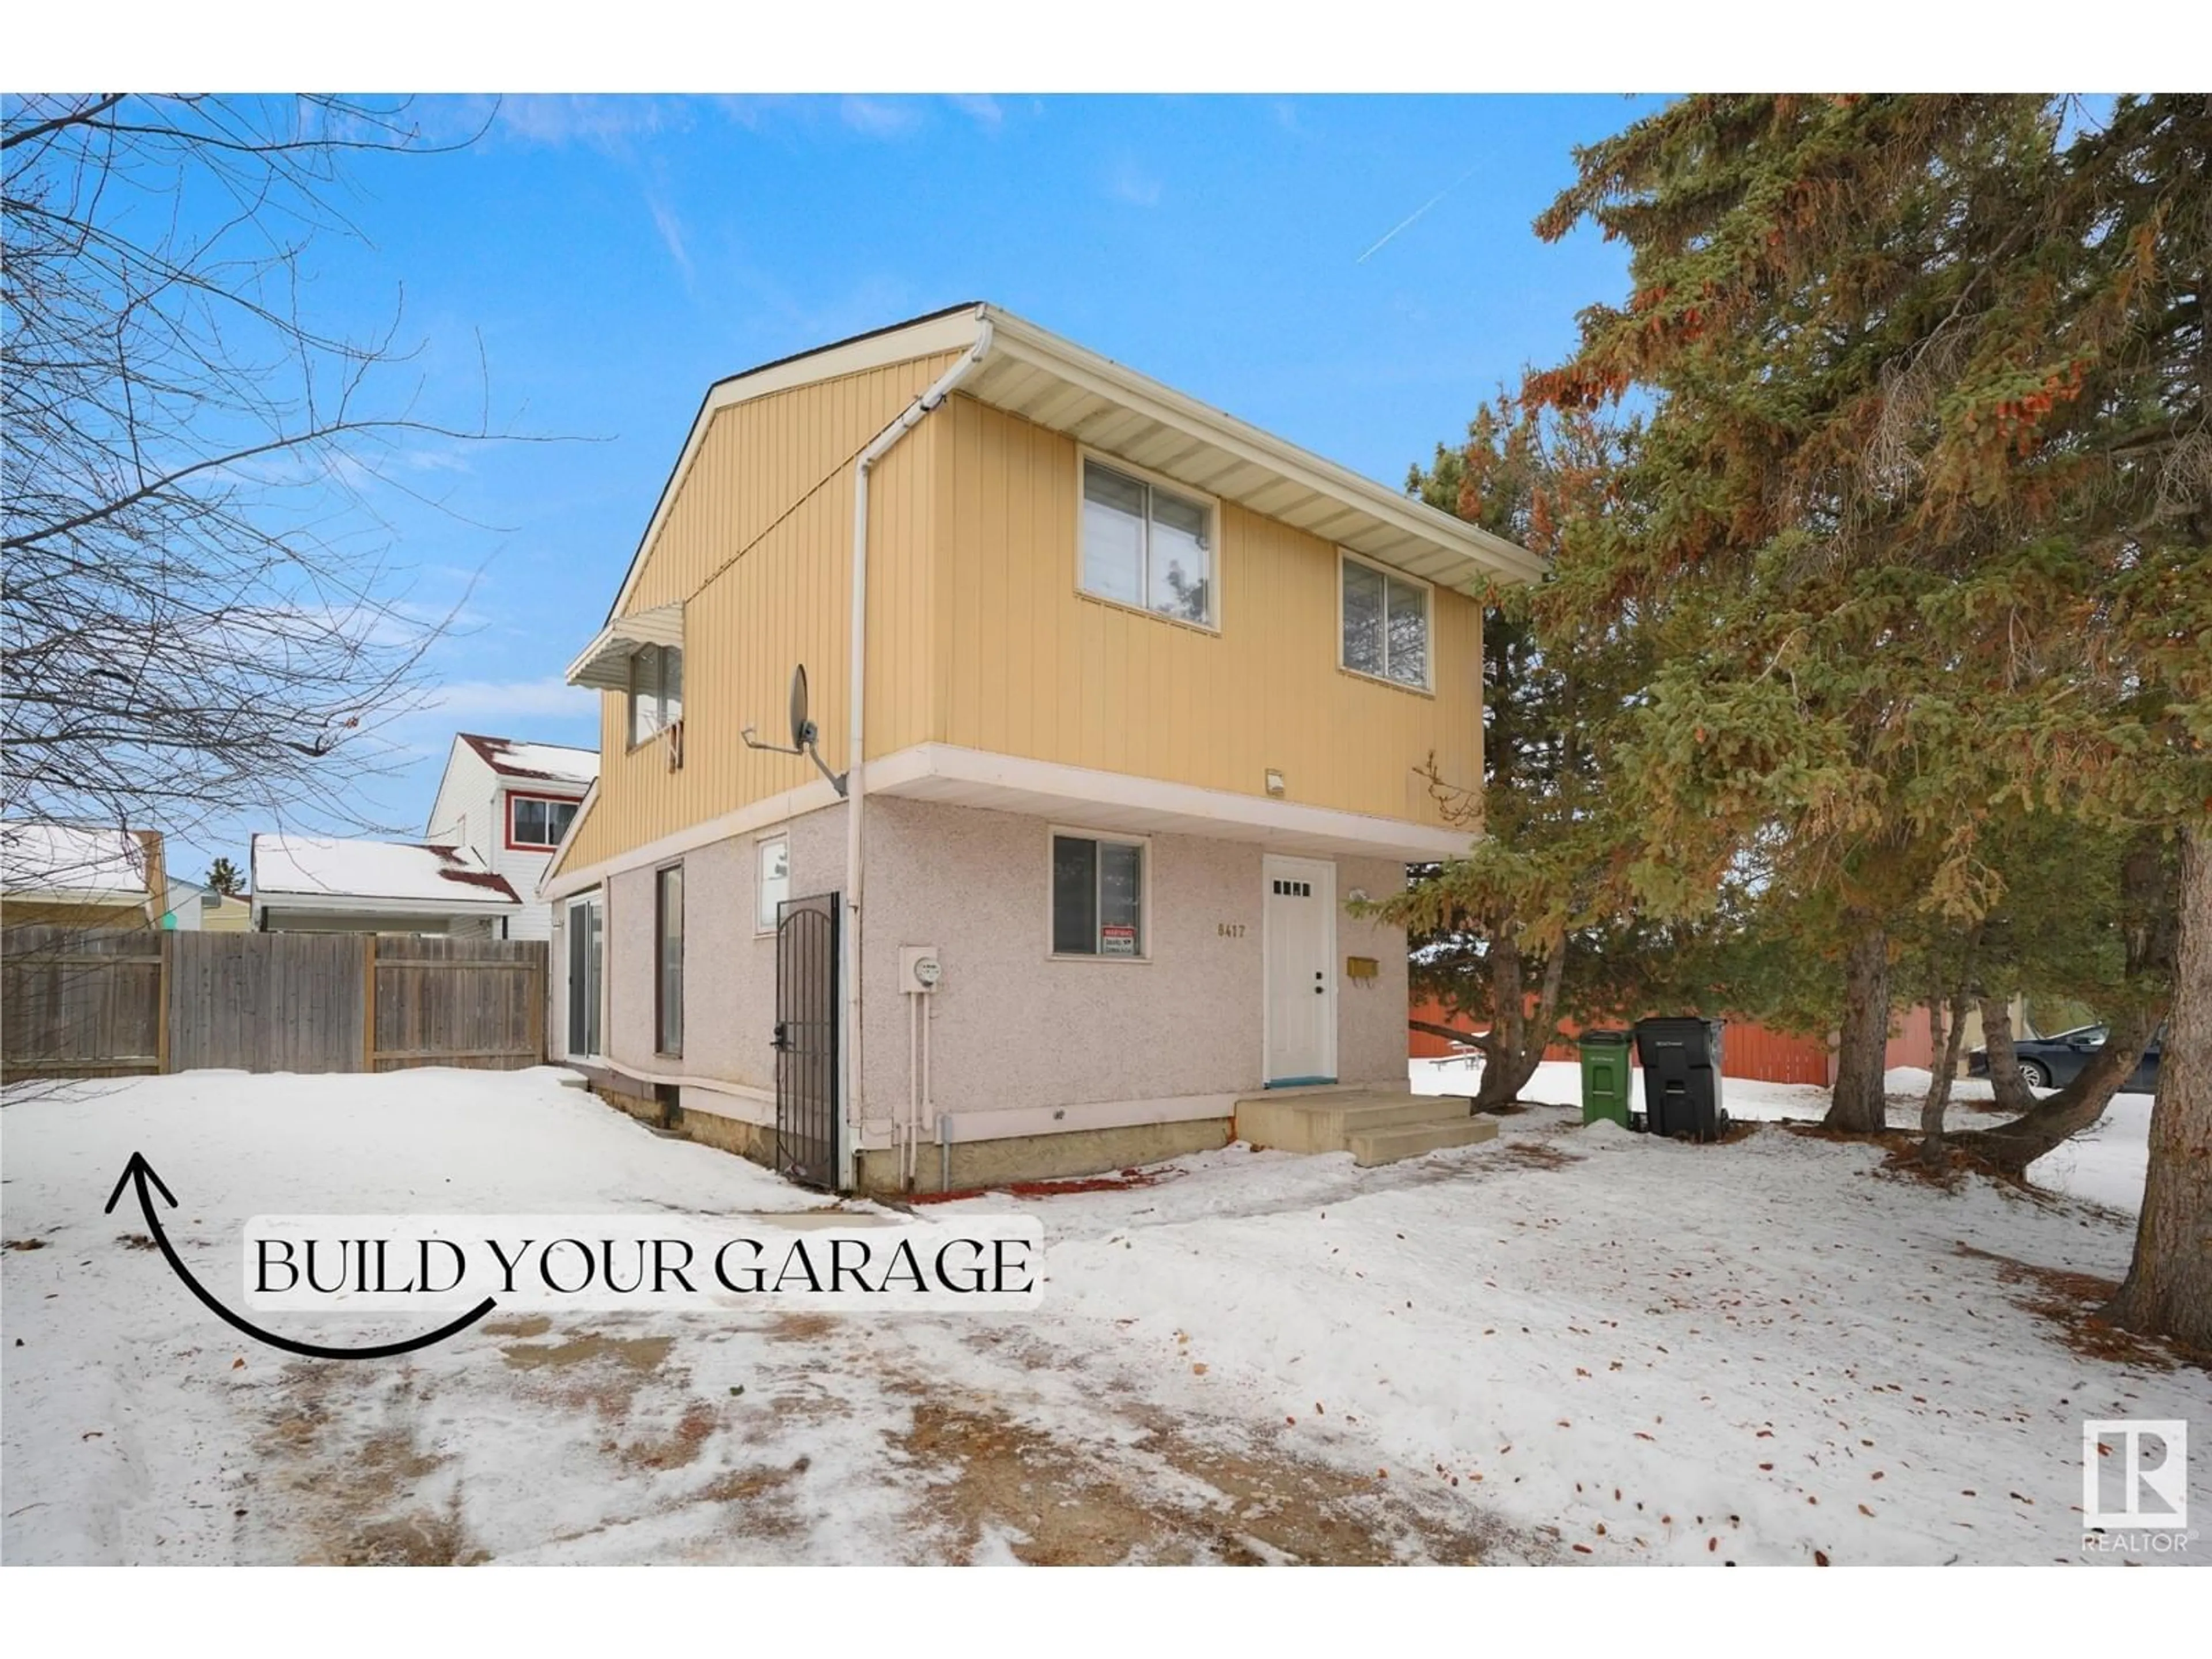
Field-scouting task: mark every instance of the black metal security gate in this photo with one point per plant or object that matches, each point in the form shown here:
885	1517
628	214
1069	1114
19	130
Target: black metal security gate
806	1039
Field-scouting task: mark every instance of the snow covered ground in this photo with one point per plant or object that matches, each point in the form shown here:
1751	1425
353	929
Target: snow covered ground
1569	1344
2103	1165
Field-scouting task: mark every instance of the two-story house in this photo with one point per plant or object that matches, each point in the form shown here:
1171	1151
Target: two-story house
509	802
1121	707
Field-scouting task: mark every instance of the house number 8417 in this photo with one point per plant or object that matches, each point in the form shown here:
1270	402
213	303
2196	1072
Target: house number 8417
1230	929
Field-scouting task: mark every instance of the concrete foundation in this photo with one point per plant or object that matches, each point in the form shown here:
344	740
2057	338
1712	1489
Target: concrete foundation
1042	1157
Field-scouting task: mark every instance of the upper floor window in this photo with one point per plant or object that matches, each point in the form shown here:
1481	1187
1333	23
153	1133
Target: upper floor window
656	690
1386	625
536	821
1146	546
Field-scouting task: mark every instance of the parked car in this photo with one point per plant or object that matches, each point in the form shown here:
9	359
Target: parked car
2053	1062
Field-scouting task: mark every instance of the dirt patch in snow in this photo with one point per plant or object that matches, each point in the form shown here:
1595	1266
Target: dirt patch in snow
638	1354
2073	1302
1537	1155
676	1450
586	1370
999	1483
355	1500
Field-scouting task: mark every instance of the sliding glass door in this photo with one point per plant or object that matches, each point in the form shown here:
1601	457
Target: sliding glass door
586	959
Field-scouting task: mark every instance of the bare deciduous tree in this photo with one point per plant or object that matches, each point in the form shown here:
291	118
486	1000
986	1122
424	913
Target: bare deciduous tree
203	617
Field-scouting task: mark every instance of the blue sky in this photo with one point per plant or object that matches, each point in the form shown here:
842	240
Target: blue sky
616	254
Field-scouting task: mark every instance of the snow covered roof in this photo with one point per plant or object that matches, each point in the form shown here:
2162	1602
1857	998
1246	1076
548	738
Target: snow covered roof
541	762
68	858
292	867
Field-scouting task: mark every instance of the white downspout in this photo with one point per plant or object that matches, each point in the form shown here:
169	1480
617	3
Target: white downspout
848	1047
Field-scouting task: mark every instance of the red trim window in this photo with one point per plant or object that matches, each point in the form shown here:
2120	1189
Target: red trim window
535	823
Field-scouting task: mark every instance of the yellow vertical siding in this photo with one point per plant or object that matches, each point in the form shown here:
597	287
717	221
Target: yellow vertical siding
1027	666
977	635
758	542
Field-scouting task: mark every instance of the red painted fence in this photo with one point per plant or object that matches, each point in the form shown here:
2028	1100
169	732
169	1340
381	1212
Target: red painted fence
1752	1051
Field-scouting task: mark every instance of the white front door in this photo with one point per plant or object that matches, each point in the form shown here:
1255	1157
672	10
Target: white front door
1299	921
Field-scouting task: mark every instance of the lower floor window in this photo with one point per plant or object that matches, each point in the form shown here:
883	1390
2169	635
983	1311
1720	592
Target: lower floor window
775	885
668	979
1098	897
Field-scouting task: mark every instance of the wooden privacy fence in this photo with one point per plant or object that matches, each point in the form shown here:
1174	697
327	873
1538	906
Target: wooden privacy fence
75	1003
84	1003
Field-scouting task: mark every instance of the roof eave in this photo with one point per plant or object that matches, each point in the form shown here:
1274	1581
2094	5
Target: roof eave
1055	355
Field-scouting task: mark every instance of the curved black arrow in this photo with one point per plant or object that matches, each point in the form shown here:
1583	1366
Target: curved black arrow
140	1171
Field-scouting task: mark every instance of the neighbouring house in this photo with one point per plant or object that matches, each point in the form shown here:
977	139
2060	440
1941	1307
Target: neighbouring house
70	875
185	905
226	913
324	884
1122	707
509	802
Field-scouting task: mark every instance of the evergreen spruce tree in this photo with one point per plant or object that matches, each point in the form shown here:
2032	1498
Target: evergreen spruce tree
1927	491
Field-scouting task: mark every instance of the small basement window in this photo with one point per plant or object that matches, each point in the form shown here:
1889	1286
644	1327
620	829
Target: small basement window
1386	625
1146	546
1098	897
538	820
656	691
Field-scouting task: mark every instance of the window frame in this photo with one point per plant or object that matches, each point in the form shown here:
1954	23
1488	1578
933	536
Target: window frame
632	742
517	846
1084	456
1427	686
763	929
660	997
1078	832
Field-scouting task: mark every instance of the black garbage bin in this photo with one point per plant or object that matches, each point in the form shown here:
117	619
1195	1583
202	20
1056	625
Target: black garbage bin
1682	1062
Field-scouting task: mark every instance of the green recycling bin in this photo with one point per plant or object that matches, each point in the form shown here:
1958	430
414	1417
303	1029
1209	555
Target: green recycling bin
1608	1082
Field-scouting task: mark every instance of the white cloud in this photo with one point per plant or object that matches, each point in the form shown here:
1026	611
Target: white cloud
471	700
878	117
980	107
599	121
1128	182
671	235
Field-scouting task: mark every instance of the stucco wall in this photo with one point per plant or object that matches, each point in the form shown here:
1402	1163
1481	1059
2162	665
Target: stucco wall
628	942
729	970
1012	1028
1370	1014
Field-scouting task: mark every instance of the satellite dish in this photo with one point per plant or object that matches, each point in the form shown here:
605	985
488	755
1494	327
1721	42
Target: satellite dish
803	734
802	729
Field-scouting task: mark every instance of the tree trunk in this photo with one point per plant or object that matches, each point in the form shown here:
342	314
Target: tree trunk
2011	1091
1502	1076
1939	1084
2168	1291
1534	1038
1857	1104
1514	1046
2057	1118
2151	921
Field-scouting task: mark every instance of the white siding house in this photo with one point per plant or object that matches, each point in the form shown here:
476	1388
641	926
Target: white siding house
510	802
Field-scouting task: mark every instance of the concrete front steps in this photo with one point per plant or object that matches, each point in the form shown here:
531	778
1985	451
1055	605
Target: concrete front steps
1376	1125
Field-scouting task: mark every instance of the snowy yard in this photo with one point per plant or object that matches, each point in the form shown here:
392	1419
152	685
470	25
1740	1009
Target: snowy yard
1567	1345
